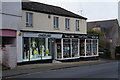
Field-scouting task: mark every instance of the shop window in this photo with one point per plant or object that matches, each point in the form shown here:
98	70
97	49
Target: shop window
94	47
26	49
36	49
66	48
88	48
82	47
44	47
59	53
34	53
75	48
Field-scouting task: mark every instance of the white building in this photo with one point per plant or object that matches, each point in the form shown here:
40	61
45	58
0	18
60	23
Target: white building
46	32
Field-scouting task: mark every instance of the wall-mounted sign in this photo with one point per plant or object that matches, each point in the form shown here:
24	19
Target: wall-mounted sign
83	36
44	35
80	36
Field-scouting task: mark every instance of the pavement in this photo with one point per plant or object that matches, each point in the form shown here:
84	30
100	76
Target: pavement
43	67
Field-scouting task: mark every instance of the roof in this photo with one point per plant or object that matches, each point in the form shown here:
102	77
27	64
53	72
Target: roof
107	26
103	24
49	9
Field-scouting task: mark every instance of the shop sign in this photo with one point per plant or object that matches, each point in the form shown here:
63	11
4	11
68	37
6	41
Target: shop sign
41	35
56	35
93	36
44	35
68	36
83	36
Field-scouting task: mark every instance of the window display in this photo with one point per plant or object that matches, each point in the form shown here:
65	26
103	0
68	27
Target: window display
36	48
75	48
59	53
66	48
82	47
88	47
34	53
94	47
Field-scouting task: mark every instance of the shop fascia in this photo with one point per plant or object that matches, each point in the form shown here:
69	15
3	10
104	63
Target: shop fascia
66	50
48	35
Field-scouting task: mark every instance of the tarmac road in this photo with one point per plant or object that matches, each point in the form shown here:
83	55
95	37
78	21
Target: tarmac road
107	70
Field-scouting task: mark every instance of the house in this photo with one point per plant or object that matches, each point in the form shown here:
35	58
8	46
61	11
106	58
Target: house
10	20
50	32
111	30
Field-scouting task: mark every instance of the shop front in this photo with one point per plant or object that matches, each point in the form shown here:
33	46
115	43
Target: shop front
76	46
38	46
43	46
67	48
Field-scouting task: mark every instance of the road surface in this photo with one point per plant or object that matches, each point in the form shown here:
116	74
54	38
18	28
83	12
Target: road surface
107	70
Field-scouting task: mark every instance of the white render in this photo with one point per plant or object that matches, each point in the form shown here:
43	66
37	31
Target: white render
41	22
11	15
19	47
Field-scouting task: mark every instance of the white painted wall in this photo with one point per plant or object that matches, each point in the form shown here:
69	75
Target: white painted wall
41	22
19	47
11	15
0	15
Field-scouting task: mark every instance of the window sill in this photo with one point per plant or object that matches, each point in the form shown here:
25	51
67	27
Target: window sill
29	26
77	30
56	28
67	29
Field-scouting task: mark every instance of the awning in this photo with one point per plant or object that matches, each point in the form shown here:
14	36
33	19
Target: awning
8	33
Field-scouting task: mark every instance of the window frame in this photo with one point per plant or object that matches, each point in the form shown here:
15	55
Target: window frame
67	24
29	19
77	24
56	22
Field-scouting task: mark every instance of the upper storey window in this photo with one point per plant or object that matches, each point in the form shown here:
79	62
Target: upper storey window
67	24
77	25
29	19
56	23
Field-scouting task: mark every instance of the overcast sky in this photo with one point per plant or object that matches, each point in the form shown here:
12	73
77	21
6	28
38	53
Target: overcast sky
92	9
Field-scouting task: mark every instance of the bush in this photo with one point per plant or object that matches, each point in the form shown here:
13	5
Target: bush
90	31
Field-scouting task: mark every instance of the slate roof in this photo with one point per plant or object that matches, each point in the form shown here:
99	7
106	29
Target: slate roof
109	27
49	9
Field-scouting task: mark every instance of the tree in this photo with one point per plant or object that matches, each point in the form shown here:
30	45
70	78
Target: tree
103	41
91	31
